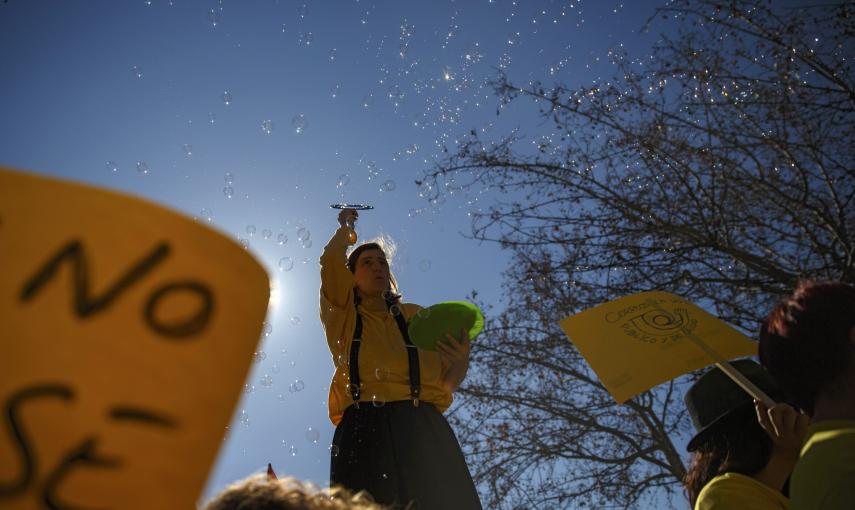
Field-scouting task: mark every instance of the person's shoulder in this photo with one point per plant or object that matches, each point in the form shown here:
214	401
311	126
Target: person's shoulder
733	490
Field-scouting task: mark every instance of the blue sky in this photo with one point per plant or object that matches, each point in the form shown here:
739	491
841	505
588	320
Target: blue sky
164	98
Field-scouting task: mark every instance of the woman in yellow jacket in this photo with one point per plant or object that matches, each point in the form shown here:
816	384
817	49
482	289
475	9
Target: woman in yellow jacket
743	454
386	397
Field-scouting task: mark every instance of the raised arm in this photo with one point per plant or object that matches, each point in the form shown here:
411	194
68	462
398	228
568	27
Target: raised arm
336	279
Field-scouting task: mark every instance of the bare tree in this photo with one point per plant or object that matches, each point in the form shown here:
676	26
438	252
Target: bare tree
721	168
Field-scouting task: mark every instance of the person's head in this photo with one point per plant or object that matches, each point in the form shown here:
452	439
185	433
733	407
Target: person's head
370	268
729	437
260	492
808	342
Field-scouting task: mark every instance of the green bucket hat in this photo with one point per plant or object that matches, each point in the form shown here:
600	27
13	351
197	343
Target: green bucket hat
431	324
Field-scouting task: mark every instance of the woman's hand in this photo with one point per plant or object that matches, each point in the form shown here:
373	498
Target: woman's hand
786	426
454	355
347	217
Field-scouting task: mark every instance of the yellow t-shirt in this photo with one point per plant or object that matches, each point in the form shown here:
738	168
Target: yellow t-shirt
733	491
824	477
383	366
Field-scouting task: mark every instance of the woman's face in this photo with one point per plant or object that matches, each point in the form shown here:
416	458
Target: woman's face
372	272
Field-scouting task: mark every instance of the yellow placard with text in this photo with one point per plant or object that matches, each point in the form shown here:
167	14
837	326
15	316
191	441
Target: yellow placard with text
637	342
126	331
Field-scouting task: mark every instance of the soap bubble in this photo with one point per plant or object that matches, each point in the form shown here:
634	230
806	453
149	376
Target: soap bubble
293	450
281	239
212	117
227	98
267	126
312	435
295	320
343	180
259	355
266	233
274	368
228	191
248	388
250	229
367	101
302	10
188	149
206	214
230	177
306	244
373	170
137	70
244	417
267	380
332	55
244	243
214	16
305	39
266	328
303	234
286	264
142	167
113	166
299	123
334	450
388	186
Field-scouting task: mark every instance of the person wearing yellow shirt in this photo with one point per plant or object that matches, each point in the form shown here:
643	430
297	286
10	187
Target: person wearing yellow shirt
742	454
808	344
387	397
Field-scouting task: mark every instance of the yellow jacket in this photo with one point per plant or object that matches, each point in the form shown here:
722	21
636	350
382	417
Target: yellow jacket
383	366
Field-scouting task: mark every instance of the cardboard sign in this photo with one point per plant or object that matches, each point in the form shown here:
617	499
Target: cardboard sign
126	331
637	342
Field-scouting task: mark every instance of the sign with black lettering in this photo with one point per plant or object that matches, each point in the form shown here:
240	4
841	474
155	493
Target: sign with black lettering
637	342
126	331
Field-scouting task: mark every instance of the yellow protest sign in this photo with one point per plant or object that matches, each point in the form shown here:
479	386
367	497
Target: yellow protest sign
636	342
126	331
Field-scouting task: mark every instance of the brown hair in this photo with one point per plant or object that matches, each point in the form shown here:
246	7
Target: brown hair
734	444
805	344
359	250
258	492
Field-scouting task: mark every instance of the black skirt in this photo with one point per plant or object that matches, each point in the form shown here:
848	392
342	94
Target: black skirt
402	455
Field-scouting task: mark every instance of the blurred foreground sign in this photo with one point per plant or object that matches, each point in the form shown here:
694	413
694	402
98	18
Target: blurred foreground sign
637	342
126	331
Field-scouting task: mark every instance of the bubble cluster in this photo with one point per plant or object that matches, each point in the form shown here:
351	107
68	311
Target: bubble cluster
388	186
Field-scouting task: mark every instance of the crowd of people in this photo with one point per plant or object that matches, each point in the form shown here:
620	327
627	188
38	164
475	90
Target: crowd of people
393	448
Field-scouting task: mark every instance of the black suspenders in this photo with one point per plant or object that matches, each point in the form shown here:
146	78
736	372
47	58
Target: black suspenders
412	351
